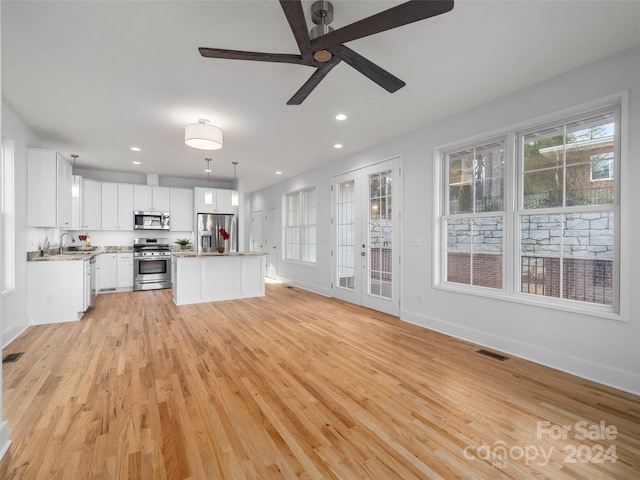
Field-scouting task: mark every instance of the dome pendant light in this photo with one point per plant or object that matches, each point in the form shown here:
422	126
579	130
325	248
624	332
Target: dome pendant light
203	136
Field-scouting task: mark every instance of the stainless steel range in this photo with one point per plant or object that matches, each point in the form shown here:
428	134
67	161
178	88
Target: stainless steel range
151	263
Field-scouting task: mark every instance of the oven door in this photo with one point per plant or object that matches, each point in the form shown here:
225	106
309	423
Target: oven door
151	272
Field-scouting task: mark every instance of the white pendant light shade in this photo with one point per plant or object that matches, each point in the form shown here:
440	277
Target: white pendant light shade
234	198
203	136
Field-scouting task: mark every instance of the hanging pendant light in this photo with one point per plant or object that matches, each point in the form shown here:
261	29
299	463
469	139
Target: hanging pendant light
234	193
203	136
75	186
208	194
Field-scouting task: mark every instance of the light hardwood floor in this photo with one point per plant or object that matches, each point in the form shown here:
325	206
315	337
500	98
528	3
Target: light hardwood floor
295	385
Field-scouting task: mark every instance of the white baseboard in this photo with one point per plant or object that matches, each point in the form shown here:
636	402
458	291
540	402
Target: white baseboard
613	377
5	443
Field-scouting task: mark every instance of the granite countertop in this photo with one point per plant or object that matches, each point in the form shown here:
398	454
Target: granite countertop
83	253
187	254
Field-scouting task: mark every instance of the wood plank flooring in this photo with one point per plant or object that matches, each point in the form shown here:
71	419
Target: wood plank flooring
295	385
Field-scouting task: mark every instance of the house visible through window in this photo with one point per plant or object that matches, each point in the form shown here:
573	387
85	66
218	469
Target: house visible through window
561	214
300	226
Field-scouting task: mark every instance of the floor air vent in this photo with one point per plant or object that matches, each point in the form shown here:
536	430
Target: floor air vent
12	357
497	356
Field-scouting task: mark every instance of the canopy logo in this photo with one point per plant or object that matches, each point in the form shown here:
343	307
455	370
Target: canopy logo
500	453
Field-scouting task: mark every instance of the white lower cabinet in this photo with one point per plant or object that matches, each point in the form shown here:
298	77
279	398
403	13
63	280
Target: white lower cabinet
107	272
124	271
56	291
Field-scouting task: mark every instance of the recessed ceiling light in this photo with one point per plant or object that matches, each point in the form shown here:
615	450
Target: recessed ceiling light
337	145
278	173
341	116
208	170
135	149
136	162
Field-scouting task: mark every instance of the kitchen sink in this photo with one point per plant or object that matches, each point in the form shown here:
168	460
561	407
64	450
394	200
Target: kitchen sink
75	250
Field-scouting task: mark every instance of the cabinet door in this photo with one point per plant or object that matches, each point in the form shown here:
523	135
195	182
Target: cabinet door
63	196
125	207
125	270
107	276
41	188
142	198
181	210
109	200
161	199
91	205
224	202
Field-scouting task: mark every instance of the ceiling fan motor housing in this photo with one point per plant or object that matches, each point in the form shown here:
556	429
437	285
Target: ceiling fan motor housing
322	12
322	16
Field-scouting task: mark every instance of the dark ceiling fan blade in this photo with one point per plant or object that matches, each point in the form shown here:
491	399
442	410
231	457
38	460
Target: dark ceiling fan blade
257	56
313	81
295	16
402	14
386	80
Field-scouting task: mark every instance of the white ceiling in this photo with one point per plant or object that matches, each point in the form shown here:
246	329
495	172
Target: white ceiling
95	78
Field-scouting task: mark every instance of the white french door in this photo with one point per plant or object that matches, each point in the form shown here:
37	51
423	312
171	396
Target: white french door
366	259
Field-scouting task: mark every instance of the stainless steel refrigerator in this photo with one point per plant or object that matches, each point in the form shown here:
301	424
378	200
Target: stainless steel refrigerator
209	238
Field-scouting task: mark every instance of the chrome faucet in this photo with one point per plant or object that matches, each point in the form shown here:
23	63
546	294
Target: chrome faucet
62	235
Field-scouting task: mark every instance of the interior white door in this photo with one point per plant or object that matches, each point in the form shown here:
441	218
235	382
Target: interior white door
257	231
366	258
271	242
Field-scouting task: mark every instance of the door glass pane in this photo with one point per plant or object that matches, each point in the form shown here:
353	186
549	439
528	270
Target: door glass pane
380	230
345	270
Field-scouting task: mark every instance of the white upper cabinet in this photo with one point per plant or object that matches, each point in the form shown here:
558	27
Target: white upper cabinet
147	198
48	189
91	205
220	201
117	206
181	210
125	206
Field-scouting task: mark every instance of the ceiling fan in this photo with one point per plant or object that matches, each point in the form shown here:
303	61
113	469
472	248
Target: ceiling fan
323	47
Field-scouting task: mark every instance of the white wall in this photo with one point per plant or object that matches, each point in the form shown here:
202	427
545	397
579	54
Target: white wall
601	349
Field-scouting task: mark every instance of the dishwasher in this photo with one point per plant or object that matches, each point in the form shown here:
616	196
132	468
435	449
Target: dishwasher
89	283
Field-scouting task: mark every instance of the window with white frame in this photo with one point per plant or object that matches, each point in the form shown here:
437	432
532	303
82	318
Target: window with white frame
473	219
300	226
567	222
536	220
8	217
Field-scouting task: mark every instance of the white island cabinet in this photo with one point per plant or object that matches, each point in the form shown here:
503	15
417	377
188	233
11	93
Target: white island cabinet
56	291
210	277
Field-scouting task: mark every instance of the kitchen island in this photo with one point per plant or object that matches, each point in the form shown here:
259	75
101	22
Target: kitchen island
210	277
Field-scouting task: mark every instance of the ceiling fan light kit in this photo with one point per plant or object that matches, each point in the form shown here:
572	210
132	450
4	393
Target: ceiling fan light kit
323	47
203	136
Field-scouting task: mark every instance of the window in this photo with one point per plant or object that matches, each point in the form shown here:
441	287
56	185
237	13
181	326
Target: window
8	217
536	220
567	221
300	227
474	215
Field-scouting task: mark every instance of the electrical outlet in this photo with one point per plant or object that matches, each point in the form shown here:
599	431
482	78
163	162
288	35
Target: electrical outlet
420	298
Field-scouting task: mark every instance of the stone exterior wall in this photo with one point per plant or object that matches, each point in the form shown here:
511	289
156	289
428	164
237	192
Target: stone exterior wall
582	257
585	235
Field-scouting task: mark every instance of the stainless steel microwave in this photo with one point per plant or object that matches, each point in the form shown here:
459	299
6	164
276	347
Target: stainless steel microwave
151	220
